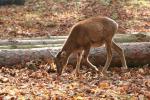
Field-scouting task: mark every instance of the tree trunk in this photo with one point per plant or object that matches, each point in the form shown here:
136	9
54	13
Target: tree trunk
136	54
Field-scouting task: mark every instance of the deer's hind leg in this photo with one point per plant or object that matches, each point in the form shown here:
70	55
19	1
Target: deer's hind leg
121	54
108	46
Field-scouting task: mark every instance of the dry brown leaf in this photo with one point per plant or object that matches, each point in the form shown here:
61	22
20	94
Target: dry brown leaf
104	85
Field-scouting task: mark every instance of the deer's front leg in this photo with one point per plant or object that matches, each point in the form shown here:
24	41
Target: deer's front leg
109	57
86	60
79	58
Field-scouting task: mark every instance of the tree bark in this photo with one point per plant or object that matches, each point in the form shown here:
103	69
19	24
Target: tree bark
136	54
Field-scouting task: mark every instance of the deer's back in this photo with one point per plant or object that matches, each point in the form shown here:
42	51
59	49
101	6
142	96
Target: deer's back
93	31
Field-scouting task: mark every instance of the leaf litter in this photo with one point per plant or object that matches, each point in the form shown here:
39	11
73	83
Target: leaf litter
24	83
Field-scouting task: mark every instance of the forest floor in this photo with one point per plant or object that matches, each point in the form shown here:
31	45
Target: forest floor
38	18
25	84
53	17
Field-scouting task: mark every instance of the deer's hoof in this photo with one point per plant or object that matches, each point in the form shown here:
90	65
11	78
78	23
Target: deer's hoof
96	69
124	69
76	73
105	73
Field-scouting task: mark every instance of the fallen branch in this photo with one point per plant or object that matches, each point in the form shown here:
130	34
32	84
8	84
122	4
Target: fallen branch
136	54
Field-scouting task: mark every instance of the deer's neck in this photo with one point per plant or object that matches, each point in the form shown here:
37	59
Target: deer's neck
69	46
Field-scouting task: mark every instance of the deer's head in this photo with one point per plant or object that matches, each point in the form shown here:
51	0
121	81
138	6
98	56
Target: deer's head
60	61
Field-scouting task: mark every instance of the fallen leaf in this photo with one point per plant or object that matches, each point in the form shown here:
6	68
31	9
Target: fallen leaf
104	85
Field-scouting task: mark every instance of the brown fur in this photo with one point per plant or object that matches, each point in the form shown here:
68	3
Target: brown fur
92	32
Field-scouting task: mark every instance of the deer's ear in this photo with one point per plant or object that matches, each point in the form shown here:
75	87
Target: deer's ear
63	54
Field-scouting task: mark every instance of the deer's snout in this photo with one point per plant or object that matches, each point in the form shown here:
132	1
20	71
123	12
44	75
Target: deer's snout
59	69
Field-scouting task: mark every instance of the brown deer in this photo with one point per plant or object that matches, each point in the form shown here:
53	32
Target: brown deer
92	32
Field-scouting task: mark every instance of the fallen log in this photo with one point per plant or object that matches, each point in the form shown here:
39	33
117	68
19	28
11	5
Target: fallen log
29	46
136	54
31	42
10	2
57	37
120	38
